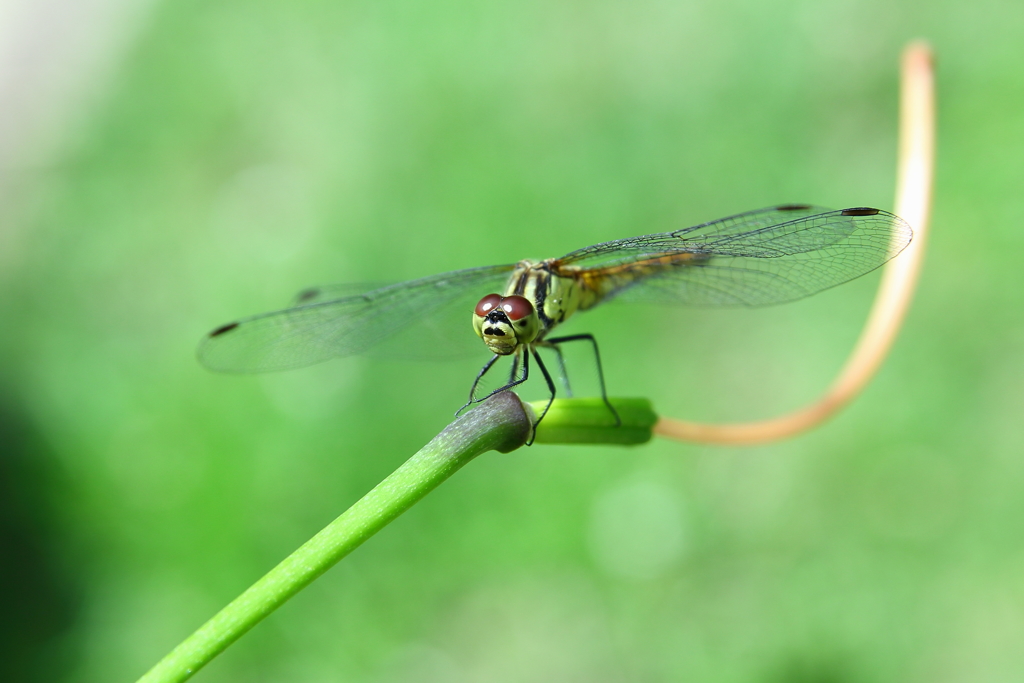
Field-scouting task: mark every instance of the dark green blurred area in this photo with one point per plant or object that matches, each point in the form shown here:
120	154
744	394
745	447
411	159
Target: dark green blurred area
247	150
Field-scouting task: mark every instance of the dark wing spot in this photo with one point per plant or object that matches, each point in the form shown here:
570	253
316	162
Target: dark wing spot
223	328
793	207
311	293
860	211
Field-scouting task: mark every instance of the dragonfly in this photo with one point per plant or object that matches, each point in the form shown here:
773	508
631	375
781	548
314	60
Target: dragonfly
768	256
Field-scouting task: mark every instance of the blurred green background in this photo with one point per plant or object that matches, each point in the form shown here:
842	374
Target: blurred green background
224	155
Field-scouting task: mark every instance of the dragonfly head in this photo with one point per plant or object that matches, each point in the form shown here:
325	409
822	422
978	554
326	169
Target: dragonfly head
505	322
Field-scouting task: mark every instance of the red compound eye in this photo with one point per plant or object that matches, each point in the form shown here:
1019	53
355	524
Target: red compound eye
516	307
487	304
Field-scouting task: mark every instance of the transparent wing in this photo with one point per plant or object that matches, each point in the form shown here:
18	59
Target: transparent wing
427	319
321	293
763	257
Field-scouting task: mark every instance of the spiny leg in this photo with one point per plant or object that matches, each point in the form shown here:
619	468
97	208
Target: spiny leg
511	383
551	388
600	370
479	376
564	376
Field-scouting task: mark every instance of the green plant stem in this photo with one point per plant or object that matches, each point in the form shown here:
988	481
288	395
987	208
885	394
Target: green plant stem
588	420
500	423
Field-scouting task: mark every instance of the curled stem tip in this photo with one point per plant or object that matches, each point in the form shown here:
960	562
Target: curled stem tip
915	172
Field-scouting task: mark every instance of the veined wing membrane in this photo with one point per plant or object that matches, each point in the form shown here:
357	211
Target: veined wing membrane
763	257
750	223
408	319
321	293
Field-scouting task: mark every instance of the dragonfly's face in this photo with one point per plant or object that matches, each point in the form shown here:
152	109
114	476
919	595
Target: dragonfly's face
505	322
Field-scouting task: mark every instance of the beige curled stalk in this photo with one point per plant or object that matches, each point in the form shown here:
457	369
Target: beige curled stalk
913	203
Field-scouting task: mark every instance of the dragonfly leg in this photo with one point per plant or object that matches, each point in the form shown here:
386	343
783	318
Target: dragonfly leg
511	383
551	388
476	382
597	358
564	376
